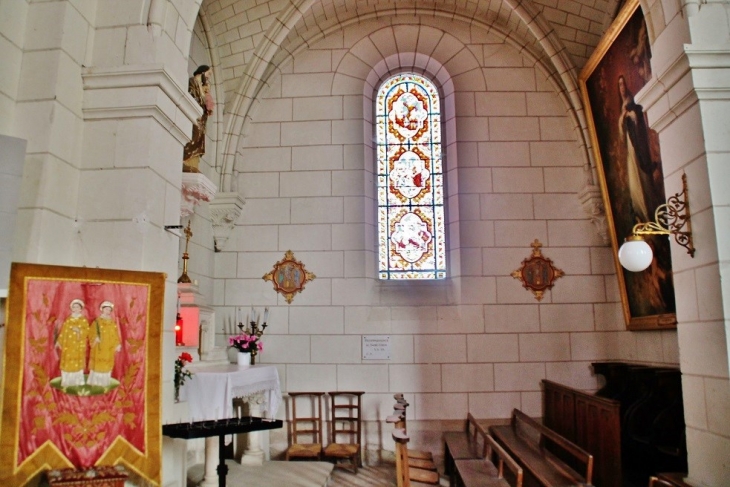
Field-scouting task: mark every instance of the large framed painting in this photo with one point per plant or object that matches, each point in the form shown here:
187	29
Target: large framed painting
629	163
81	382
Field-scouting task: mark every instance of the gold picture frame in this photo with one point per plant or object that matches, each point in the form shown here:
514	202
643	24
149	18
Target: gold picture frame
289	276
537	272
628	163
82	370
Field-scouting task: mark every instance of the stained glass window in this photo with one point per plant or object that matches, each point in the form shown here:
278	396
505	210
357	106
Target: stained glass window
410	177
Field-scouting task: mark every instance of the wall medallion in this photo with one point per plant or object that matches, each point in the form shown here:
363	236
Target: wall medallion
537	273
289	276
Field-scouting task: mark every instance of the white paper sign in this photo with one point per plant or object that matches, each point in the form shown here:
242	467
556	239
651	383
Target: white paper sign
376	347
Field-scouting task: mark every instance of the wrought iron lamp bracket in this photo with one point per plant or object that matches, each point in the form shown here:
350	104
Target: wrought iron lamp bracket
672	218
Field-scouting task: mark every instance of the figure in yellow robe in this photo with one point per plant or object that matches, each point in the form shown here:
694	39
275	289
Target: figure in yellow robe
105	343
71	342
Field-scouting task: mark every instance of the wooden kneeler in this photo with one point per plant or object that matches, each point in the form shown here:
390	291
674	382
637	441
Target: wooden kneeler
399	409
421	461
407	476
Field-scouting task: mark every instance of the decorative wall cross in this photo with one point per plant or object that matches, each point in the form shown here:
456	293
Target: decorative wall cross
537	273
289	276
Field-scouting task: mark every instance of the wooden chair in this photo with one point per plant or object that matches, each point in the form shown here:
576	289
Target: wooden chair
407	476
306	424
345	429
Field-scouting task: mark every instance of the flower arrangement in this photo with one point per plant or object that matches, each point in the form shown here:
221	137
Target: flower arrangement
181	373
249	340
246	342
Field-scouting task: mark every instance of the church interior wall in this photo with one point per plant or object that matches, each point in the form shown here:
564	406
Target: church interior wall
519	168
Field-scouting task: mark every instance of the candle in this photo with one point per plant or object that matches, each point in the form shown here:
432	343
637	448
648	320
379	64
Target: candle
253	314
266	315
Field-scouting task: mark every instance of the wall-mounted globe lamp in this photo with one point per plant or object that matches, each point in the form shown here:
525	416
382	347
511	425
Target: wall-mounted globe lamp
670	218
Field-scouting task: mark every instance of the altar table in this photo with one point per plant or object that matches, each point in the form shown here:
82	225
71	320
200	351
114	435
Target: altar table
211	390
210	393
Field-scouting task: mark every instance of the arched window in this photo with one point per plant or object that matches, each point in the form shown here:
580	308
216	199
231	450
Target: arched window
410	178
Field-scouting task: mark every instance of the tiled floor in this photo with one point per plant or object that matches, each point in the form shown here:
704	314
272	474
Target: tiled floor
273	476
380	476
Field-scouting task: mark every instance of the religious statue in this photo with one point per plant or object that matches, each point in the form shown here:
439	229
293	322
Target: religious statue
199	88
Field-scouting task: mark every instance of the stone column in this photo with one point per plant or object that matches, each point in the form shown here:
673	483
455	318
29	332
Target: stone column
687	103
212	450
253	454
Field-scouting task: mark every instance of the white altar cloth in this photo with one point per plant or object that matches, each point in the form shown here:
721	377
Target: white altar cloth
211	389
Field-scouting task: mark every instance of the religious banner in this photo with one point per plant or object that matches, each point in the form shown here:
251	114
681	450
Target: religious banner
84	390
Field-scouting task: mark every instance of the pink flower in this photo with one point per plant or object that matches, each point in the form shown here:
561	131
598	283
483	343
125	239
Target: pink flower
245	342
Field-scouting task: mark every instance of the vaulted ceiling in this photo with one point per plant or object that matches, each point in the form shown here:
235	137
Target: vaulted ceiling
252	40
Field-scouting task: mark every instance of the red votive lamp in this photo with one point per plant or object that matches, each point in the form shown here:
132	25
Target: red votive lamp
179	331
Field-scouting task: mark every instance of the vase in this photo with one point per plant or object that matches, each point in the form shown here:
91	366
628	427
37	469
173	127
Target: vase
244	358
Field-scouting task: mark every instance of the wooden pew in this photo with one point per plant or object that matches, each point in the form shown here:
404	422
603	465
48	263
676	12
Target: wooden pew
591	422
460	445
532	444
488	470
672	479
657	482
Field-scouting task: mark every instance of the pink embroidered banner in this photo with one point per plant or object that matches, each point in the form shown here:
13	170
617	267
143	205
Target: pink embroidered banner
97	332
81	386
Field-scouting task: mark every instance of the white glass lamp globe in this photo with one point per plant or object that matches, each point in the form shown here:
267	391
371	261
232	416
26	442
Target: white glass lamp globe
635	254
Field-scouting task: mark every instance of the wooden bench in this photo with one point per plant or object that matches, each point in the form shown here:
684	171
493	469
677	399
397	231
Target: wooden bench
527	441
657	482
460	445
488	470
